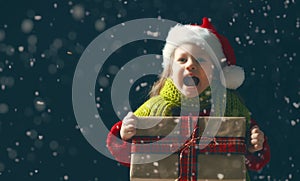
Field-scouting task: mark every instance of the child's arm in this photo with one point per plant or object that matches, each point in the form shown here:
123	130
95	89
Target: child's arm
258	156
118	148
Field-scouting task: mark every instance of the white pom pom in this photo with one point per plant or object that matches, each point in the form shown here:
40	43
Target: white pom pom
234	76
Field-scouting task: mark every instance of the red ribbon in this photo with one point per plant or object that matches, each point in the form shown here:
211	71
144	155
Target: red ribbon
187	150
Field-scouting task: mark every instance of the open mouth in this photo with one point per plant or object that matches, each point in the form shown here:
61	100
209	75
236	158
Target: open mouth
191	81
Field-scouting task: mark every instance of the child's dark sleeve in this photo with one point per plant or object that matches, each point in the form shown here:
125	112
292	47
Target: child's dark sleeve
256	161
118	148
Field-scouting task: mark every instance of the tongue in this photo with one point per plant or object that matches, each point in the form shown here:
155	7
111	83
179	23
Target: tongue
191	81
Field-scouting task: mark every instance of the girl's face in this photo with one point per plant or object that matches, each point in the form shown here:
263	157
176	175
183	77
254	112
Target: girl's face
192	70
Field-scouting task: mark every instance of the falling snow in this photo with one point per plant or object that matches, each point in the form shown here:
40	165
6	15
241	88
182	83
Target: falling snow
27	25
40	46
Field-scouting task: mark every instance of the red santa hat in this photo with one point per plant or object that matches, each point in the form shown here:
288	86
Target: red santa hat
207	35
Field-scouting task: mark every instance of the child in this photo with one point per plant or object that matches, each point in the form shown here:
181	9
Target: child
191	58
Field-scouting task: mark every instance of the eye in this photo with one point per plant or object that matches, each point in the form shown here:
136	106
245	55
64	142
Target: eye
182	60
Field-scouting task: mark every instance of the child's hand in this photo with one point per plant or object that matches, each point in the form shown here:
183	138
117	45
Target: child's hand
128	126
257	139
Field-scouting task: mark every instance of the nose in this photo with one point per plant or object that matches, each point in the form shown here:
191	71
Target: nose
190	64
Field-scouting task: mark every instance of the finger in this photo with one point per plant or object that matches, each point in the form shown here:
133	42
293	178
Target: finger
260	136
257	142
255	129
130	133
127	134
258	147
254	141
133	123
254	136
130	128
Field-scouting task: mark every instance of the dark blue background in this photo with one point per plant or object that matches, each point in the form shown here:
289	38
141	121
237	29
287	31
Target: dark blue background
271	90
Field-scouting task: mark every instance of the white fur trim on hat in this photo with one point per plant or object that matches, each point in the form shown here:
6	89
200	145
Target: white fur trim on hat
181	34
234	76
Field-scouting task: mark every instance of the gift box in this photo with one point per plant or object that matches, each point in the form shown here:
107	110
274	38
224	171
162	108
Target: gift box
189	148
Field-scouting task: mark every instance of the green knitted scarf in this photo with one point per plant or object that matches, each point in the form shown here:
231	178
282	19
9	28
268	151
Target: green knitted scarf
171	99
